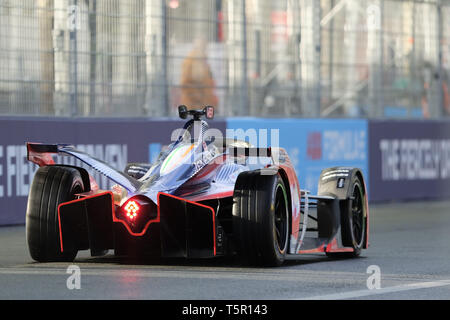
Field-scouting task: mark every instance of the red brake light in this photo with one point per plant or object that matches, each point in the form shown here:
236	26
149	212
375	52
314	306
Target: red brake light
131	209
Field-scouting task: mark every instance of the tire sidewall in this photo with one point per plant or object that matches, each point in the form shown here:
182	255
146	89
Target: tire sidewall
357	246
279	252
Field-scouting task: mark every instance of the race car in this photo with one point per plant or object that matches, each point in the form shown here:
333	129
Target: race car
204	197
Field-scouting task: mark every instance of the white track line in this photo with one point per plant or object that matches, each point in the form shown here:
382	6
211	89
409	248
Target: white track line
149	273
367	292
152	273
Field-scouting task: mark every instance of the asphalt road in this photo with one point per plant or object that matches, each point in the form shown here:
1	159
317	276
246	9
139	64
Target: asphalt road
410	244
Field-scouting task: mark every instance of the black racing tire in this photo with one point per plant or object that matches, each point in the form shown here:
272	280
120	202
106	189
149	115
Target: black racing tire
353	221
261	219
51	186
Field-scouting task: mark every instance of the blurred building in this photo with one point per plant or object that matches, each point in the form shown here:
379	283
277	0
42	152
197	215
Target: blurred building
289	58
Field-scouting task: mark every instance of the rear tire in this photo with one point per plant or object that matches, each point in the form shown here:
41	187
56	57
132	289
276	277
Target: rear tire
261	218
51	186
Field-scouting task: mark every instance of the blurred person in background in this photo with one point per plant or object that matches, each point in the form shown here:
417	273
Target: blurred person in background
446	94
426	80
429	77
197	83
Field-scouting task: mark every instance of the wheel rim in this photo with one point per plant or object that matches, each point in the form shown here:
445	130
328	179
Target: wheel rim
281	219
357	215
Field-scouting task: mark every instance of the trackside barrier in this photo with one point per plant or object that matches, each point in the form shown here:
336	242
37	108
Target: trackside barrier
401	159
312	144
409	159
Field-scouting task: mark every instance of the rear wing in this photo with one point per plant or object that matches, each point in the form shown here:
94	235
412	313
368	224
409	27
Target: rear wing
41	154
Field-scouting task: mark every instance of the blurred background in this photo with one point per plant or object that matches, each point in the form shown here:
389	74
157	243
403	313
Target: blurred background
286	58
357	83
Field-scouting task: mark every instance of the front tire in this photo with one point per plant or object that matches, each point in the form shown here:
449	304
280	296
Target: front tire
353	221
51	186
261	218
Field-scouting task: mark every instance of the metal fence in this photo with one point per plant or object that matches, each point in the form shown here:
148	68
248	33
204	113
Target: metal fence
289	58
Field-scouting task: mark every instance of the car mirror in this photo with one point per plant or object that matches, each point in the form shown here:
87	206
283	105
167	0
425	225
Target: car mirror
182	111
209	112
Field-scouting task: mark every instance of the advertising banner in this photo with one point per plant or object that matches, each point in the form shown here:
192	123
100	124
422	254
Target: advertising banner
409	160
115	141
312	144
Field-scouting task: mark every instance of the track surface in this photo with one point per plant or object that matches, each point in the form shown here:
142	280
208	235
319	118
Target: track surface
410	243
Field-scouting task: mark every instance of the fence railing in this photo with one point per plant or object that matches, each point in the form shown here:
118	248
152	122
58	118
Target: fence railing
289	58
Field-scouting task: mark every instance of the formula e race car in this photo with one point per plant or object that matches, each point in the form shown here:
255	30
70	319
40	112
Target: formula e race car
205	196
